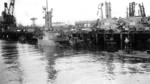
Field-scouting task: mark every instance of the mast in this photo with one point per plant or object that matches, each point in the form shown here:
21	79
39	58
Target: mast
46	5
48	17
11	7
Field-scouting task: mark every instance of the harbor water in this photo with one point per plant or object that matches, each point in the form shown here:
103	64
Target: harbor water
33	64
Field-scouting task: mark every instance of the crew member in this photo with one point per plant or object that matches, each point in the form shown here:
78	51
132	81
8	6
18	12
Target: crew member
126	41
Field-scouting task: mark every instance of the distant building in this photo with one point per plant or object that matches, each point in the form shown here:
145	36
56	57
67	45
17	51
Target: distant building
85	24
109	24
61	26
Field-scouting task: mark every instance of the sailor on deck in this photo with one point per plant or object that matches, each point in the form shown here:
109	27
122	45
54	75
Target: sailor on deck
126	41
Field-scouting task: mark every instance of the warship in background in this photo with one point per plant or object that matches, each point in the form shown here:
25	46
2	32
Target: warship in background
48	36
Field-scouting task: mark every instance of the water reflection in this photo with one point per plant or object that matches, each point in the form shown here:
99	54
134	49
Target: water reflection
68	66
33	64
11	73
50	53
10	52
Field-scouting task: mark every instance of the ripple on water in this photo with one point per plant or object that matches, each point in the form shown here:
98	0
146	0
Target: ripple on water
32	64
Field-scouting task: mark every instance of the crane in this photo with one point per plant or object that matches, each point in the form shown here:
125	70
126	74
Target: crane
8	15
132	10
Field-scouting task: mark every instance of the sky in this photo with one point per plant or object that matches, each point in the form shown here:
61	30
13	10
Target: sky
67	11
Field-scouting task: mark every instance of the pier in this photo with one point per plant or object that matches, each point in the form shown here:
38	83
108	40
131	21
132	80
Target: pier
111	40
19	34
